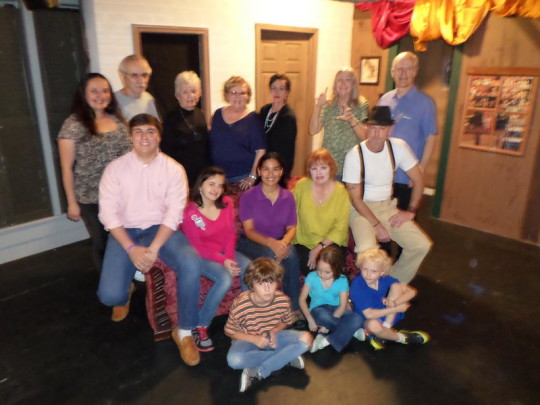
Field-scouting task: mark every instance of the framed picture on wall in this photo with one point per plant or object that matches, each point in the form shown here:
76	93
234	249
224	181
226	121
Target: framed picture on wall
369	69
498	109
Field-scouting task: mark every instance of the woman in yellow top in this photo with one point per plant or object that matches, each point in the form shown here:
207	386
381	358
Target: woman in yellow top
323	208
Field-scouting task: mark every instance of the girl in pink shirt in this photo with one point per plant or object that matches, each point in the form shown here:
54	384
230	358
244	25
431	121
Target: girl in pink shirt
209	226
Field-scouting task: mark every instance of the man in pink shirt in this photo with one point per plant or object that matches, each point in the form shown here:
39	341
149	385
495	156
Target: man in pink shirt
142	196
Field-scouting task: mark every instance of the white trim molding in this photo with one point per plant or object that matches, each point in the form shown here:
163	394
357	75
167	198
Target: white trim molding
39	236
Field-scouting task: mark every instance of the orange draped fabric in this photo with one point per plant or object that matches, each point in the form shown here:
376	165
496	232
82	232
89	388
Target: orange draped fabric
522	8
390	20
453	20
456	20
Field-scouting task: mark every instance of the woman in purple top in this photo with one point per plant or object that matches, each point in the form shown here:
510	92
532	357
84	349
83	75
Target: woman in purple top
268	215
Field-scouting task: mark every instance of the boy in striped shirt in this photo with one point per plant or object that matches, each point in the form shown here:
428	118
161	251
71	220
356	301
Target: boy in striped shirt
257	321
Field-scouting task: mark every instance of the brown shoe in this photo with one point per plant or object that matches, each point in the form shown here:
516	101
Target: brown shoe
120	312
188	350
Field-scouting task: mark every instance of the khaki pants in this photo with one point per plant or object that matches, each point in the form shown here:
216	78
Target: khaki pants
415	243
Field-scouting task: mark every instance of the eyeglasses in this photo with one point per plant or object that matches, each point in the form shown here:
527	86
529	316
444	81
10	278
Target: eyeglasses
137	75
236	92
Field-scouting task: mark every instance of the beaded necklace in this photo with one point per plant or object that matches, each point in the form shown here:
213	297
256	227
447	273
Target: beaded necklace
269	121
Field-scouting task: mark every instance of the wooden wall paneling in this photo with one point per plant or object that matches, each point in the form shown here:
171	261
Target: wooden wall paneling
363	44
490	191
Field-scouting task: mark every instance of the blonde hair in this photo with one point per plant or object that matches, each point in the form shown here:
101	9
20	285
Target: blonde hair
234	81
377	256
187	78
263	269
355	94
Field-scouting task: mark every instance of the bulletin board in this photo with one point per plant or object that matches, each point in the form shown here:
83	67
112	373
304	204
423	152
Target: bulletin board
498	109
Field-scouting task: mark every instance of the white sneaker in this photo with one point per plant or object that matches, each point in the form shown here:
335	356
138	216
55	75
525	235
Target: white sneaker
297	363
249	375
360	334
319	343
139	277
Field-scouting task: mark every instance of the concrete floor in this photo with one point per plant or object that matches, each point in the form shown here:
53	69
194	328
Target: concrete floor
479	298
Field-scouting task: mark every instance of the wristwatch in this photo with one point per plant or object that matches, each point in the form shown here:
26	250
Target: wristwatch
322	244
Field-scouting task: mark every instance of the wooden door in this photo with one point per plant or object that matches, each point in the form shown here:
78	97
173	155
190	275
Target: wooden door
291	51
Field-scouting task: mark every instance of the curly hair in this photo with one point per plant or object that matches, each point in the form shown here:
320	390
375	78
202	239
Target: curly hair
377	256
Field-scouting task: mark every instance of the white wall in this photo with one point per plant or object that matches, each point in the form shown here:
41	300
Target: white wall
231	26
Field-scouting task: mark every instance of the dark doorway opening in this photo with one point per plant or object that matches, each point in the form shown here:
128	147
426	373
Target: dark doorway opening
171	50
169	54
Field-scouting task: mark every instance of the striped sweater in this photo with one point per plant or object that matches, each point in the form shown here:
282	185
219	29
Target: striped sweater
247	317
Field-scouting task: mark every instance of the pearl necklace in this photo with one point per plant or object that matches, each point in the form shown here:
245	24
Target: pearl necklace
269	122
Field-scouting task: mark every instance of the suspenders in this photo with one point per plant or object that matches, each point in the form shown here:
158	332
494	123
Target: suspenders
363	168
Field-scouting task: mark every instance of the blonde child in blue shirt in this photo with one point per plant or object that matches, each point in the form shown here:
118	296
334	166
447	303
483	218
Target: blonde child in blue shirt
382	300
327	314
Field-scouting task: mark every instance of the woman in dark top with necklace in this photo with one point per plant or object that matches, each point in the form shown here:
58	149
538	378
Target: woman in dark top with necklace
280	122
185	132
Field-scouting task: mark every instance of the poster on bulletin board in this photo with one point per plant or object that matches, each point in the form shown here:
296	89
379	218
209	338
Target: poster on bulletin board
498	109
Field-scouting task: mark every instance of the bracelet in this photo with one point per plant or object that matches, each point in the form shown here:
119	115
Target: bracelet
322	244
129	248
253	177
378	222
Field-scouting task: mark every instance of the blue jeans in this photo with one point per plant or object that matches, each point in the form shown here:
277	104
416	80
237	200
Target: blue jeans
341	329
222	279
243	354
176	253
291	278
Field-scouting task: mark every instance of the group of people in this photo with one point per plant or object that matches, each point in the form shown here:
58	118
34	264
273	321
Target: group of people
147	190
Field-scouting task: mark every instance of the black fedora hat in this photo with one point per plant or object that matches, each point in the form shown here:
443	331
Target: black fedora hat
380	115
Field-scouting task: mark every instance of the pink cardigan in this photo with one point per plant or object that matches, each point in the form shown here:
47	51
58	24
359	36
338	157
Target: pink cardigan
213	240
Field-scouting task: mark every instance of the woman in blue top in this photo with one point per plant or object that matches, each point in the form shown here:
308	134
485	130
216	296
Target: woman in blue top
327	314
237	139
268	215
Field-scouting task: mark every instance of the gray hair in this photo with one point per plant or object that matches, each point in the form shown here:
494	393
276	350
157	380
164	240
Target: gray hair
187	77
405	55
132	58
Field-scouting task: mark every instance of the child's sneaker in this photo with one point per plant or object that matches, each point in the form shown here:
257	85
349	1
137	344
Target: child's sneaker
376	343
360	334
249	375
415	338
297	363
202	340
319	343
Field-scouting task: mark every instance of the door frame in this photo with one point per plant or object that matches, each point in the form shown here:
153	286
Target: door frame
312	43
202	33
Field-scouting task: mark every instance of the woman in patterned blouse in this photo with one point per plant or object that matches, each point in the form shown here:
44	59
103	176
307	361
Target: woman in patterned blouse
90	138
341	116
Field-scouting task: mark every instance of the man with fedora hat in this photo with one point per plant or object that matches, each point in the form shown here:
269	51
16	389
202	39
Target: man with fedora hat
368	173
